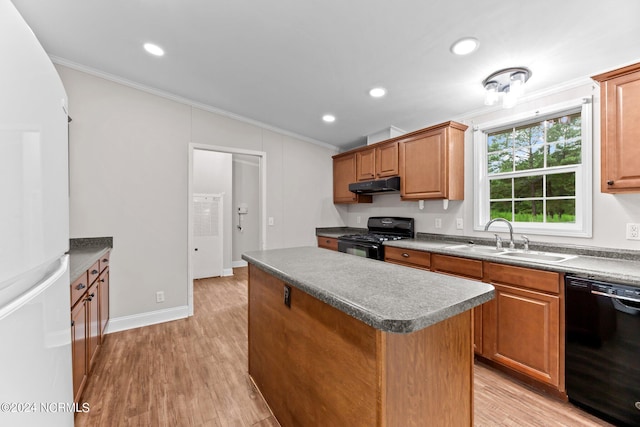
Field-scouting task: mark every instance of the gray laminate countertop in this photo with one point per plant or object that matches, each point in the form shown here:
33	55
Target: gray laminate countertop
386	296
85	252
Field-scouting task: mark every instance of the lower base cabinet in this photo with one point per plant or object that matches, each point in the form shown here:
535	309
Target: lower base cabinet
317	366
520	329
89	317
521	326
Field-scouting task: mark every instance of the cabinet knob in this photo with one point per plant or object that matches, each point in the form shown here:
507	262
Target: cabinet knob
94	271
80	286
102	280
73	323
610	182
105	260
406	255
93	294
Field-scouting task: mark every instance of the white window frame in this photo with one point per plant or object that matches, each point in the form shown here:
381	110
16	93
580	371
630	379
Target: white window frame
584	181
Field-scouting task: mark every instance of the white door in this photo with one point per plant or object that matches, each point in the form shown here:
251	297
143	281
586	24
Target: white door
207	235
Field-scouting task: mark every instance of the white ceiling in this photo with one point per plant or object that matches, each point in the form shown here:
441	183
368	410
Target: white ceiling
285	63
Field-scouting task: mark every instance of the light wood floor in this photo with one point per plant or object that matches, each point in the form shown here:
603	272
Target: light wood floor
193	372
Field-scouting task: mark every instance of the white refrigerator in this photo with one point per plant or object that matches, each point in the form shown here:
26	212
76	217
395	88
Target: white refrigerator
35	335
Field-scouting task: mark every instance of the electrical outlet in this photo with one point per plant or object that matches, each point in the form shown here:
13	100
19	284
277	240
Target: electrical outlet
271	220
358	219
459	224
633	231
438	222
159	296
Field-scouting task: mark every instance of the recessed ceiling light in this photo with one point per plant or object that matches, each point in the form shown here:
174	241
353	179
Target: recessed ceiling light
329	118
465	46
153	49
378	92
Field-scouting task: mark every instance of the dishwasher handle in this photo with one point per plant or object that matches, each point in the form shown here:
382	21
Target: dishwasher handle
618	302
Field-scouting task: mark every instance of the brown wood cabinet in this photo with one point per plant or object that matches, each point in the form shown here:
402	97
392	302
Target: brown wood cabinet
379	161
328	243
620	130
408	257
344	173
471	269
432	163
316	365
521	329
521	326
89	317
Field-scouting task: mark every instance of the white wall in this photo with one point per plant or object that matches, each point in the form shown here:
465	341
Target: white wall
129	175
213	174
246	186
610	212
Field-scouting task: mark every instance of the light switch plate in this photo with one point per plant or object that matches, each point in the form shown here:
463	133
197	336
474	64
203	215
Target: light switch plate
459	224
438	222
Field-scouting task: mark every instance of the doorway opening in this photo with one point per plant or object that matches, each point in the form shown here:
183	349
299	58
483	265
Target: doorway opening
237	178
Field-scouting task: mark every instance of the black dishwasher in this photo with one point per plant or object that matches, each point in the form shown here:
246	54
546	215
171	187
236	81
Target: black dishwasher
602	365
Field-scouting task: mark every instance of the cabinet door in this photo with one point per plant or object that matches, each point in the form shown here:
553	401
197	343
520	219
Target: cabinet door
103	298
423	164
620	134
521	331
79	348
463	267
93	323
344	173
366	165
387	160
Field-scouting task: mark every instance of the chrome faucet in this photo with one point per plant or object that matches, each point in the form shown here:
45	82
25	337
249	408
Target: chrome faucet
512	244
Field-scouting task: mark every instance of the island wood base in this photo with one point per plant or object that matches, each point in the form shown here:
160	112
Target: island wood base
316	365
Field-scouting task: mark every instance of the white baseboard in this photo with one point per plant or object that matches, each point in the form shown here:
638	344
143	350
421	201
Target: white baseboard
241	263
227	272
145	319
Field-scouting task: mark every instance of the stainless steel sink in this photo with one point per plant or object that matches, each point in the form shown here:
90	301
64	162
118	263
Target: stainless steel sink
537	256
510	253
487	250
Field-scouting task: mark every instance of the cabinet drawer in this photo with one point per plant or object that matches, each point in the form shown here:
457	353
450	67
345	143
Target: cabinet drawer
545	281
104	261
94	272
79	287
408	257
455	265
328	243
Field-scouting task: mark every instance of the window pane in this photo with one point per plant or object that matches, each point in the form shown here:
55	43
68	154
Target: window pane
561	210
561	184
500	210
500	189
499	141
528	211
528	186
529	143
500	162
564	127
565	153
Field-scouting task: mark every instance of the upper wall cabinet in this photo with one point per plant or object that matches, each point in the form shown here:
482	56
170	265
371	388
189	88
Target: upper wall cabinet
432	163
620	124
379	161
344	173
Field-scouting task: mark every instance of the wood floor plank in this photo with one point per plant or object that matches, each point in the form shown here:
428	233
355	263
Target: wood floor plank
193	372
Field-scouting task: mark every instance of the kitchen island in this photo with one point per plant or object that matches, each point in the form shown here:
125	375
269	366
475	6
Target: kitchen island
336	339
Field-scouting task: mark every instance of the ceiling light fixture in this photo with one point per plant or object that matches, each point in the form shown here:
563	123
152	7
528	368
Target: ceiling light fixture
329	118
465	46
153	49
378	92
508	83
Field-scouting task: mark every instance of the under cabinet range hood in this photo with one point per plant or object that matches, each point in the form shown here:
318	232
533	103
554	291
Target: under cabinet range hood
385	185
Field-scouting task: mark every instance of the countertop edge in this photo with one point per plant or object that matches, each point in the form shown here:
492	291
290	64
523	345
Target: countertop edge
374	319
84	255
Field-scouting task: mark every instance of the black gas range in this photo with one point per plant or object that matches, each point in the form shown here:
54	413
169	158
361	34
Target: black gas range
380	229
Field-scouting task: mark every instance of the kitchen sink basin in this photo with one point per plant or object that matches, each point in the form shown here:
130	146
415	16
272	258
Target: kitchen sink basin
511	253
537	256
488	250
